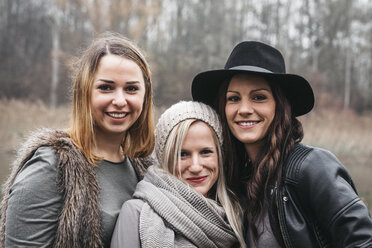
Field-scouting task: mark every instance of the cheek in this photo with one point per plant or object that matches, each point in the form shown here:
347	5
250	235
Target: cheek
215	175
95	104
229	112
213	164
271	112
99	100
184	164
138	102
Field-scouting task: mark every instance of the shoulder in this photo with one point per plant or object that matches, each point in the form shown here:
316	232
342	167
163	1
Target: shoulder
321	186
57	140
320	177
45	151
33	202
142	164
130	211
126	232
59	144
35	187
306	162
132	205
35	165
321	156
43	160
46	136
39	171
323	164
145	161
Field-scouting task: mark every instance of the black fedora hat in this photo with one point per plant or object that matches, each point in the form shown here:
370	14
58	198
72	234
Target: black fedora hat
255	58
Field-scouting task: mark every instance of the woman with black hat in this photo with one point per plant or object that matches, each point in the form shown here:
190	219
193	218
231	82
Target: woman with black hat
293	195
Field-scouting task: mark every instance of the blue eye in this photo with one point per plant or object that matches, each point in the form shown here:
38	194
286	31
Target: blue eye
105	87
233	99
259	97
206	151
132	88
183	154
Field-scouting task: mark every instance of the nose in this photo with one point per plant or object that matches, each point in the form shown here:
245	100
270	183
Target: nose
119	99
196	165
245	108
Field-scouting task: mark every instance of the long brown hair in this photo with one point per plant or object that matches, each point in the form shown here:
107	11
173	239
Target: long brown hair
139	140
250	180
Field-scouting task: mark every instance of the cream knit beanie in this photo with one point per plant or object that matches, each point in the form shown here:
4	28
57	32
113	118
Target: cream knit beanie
179	112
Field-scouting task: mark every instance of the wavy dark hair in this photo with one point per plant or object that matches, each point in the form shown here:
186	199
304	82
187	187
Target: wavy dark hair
250	180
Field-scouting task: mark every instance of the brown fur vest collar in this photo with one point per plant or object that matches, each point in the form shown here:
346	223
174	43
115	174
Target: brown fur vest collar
80	222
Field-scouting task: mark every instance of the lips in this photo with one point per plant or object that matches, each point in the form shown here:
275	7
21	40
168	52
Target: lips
247	123
116	115
196	179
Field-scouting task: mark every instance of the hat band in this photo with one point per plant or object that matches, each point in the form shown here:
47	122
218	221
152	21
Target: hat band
250	68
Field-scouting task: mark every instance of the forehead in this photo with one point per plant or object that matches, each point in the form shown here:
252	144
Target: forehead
199	130
111	61
248	81
201	125
118	68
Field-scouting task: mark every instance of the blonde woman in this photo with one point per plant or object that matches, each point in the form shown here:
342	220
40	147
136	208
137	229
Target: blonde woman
185	203
67	187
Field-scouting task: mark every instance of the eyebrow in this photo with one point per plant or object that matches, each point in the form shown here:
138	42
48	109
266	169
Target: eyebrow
207	147
106	81
234	91
113	82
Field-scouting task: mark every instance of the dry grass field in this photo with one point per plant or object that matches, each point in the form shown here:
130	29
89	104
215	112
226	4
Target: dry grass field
347	135
19	118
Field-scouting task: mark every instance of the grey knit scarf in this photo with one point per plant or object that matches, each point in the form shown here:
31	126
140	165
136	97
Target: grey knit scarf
172	206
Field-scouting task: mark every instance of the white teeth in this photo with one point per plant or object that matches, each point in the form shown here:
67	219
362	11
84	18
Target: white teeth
246	124
117	115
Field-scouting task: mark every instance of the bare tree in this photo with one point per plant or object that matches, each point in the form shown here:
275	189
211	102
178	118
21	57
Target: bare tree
55	21
329	42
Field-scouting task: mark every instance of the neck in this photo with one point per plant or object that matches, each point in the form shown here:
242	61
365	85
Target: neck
253	150
108	147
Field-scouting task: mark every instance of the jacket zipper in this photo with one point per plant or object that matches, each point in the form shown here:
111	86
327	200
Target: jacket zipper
279	217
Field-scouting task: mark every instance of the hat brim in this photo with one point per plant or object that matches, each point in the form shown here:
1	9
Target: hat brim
206	84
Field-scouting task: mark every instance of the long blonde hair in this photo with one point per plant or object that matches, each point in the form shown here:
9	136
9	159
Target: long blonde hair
139	139
170	163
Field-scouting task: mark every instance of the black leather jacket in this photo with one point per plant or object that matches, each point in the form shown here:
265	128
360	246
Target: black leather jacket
316	204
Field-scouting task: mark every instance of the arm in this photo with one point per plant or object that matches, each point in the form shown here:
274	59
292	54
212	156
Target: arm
333	201
126	232
34	203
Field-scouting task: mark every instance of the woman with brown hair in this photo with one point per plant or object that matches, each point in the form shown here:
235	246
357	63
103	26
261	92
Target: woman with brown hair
67	187
292	195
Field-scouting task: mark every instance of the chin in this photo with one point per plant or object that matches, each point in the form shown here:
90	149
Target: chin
202	192
111	131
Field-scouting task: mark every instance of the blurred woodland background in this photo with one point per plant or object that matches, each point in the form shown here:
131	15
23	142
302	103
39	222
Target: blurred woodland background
329	42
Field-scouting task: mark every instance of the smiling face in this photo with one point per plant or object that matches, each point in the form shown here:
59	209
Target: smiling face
199	158
250	109
117	95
